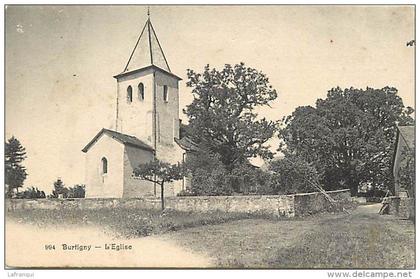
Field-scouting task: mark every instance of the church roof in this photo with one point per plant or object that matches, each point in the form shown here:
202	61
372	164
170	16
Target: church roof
147	52
187	144
123	138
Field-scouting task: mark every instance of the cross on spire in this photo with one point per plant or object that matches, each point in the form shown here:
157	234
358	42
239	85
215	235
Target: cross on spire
148	12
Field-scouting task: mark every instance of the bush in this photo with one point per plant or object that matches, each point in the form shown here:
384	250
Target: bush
209	175
292	174
31	193
215	182
77	191
60	190
211	178
248	179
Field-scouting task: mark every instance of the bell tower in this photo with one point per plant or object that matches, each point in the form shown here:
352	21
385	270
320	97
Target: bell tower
148	95
146	126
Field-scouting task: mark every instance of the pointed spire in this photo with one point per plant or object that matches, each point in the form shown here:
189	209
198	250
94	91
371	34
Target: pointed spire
147	50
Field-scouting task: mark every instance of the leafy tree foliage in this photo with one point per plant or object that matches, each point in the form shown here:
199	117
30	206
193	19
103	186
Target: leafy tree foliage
60	190
31	193
208	174
210	177
222	115
248	179
77	191
15	172
292	174
348	136
160	172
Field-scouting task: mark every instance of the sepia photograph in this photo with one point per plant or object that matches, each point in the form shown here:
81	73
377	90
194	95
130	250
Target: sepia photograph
210	137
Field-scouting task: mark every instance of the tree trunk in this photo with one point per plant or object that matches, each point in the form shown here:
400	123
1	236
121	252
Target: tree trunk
162	199
354	188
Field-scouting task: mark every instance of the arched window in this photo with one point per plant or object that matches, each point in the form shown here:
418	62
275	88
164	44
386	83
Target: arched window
141	91
129	94
104	165
165	93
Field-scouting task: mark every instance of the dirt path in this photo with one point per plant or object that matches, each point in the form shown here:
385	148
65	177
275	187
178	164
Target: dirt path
368	208
25	247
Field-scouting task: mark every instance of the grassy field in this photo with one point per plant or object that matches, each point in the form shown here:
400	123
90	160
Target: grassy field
126	223
362	239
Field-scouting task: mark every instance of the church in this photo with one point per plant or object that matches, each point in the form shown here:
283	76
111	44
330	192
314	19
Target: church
147	126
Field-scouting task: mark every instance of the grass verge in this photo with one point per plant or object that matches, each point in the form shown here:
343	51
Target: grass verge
127	223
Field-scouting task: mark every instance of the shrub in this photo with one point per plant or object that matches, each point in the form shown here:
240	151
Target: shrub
248	179
292	174
60	190
213	182
31	193
77	191
209	175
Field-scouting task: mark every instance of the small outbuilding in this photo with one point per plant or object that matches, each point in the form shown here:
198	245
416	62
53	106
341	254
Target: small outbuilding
401	203
403	156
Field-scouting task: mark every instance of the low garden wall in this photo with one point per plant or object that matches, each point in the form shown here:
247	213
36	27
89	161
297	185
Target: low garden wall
280	205
310	203
88	203
277	205
403	207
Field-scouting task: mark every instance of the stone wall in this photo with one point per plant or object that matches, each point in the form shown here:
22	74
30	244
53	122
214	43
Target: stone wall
274	205
403	207
310	203
140	203
277	205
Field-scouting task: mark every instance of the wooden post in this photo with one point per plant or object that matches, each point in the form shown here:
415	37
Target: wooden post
162	199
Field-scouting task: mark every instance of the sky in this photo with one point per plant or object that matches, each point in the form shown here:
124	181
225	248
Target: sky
60	63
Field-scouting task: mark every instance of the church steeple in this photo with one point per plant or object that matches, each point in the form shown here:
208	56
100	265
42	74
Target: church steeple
147	51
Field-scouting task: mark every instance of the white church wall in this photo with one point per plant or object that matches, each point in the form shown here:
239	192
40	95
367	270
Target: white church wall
166	110
135	118
168	127
109	185
135	187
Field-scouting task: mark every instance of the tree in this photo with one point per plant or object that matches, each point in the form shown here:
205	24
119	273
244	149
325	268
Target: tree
160	172
31	193
348	136
292	174
59	189
77	191
222	115
15	172
209	176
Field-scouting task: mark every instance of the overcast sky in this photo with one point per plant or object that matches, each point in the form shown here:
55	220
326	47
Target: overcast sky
60	61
